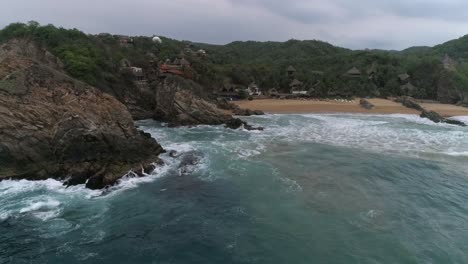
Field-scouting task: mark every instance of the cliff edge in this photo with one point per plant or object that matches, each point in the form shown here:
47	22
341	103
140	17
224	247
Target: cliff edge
53	126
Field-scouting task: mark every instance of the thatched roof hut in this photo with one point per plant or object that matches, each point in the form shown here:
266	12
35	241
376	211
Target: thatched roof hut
291	69
353	72
404	77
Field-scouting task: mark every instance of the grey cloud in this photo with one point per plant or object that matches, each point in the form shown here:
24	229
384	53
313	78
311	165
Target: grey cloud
394	24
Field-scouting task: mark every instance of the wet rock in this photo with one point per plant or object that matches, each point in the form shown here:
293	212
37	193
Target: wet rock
61	127
236	123
437	118
173	154
366	104
454	122
431	115
247	112
409	102
189	161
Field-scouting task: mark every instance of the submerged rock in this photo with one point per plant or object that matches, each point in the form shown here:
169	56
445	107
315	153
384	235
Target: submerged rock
189	162
53	126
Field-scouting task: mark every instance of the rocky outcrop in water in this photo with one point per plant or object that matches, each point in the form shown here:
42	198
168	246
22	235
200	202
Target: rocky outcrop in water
53	126
437	118
431	115
236	123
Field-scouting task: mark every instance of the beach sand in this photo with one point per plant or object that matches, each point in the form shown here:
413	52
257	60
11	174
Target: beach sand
382	106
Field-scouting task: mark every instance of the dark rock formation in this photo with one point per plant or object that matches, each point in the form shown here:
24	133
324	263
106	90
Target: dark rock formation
52	125
236	123
189	161
235	109
247	112
409	102
366	104
178	104
435	117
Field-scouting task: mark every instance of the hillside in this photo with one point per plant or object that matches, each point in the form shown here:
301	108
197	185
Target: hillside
320	66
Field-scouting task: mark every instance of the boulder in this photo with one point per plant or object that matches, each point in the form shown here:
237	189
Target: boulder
366	104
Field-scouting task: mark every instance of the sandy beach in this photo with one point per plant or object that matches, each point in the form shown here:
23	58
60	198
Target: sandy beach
382	106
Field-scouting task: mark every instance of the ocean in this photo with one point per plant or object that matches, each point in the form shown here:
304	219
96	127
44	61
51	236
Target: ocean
315	188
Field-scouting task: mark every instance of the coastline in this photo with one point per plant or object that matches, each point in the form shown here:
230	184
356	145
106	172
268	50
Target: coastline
382	106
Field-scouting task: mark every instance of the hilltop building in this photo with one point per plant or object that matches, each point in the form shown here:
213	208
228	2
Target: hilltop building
181	67
125	41
136	72
273	92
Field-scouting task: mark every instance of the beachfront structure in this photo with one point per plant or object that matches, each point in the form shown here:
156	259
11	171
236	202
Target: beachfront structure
297	87
353	73
273	92
253	89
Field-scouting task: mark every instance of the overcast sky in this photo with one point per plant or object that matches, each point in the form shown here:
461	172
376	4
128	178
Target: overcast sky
385	24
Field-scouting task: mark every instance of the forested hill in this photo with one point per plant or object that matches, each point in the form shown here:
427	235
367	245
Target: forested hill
320	66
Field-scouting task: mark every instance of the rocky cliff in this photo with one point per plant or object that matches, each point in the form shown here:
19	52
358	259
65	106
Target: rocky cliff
52	125
177	101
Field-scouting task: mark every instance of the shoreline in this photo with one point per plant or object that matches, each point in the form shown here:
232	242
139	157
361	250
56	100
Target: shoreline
382	106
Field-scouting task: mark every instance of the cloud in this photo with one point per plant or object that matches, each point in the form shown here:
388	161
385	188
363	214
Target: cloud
386	24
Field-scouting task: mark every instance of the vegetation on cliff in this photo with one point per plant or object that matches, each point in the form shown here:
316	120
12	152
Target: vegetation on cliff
320	66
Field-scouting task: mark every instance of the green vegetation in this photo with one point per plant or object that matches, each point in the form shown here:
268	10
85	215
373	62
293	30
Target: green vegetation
95	60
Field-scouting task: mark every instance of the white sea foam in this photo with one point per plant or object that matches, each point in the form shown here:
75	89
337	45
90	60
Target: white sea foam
403	134
43	209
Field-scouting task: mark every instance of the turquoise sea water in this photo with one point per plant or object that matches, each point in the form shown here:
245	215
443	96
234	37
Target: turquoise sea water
309	189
